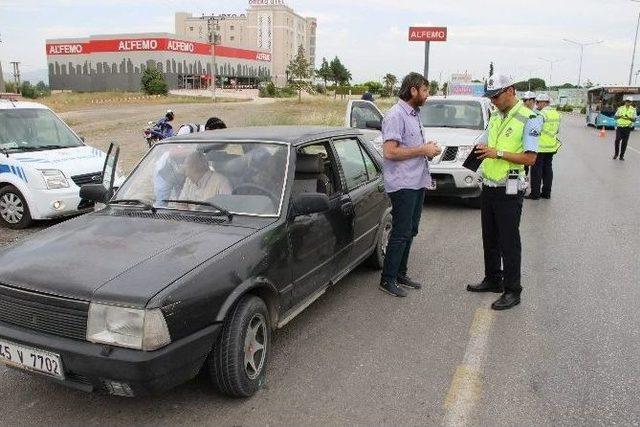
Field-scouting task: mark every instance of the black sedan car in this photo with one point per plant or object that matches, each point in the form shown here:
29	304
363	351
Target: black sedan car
215	240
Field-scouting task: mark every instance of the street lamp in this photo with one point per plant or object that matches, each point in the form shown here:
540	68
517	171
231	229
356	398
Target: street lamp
551	62
582	46
635	42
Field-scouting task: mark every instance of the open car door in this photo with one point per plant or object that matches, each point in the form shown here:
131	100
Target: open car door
367	117
109	169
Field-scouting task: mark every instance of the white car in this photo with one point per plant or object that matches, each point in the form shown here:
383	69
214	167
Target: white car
43	163
456	123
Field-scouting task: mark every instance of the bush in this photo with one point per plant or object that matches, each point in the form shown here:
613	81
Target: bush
271	91
374	87
320	89
153	82
28	91
566	108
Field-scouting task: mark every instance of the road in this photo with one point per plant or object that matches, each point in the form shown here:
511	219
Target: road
568	355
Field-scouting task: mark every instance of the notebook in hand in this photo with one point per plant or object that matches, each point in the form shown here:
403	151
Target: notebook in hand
472	162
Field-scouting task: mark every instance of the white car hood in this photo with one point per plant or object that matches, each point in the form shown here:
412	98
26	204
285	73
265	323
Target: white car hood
71	161
453	137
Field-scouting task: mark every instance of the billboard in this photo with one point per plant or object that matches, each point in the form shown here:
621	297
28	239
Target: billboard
427	34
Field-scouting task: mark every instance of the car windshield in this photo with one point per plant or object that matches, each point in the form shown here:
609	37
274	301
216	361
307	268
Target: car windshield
30	129
217	177
453	114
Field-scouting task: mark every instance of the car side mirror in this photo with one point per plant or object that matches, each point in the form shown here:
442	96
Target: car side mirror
95	193
310	203
373	124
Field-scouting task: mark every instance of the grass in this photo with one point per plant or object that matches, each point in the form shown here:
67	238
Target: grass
71	101
317	110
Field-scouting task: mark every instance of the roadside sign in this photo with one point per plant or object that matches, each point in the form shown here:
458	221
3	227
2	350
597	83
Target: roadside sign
427	34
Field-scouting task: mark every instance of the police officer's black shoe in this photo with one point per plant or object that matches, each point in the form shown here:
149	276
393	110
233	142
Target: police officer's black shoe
622	158
615	157
506	301
407	282
530	197
392	289
545	196
486	286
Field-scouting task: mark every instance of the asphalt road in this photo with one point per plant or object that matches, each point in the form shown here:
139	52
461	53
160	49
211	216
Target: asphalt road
568	355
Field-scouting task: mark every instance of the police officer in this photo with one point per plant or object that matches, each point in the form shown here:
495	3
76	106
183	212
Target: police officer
548	145
625	119
529	100
512	142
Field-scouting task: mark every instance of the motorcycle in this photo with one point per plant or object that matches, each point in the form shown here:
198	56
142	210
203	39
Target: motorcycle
156	131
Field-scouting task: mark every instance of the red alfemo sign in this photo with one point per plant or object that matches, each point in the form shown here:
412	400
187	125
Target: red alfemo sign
427	34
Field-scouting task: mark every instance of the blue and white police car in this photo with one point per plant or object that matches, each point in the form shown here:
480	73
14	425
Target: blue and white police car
43	163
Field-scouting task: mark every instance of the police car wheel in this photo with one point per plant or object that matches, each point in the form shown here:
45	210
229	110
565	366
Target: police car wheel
14	212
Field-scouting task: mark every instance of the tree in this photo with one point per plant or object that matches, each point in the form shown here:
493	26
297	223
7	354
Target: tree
433	87
374	87
491	69
324	72
300	71
153	82
339	73
533	84
445	88
389	83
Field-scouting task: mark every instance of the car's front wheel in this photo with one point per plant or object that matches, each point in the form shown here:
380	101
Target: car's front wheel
14	212
237	364
376	260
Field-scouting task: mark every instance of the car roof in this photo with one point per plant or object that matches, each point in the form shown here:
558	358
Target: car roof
294	135
6	104
458	98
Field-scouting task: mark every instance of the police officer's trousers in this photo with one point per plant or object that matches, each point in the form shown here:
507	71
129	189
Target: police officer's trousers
542	175
622	136
501	237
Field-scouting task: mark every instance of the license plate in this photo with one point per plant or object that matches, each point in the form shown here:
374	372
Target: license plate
433	185
31	359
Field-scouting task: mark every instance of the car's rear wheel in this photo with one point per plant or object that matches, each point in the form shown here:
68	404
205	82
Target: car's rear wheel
376	260
238	361
14	211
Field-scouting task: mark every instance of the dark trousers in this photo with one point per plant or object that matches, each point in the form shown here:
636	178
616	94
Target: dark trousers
542	175
501	237
622	135
406	208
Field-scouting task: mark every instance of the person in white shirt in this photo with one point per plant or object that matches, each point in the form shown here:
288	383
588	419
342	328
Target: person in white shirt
201	182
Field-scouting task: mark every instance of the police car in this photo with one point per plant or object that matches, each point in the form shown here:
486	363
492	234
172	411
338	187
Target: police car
43	163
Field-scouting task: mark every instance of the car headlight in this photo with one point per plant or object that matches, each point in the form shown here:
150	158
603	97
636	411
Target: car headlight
54	179
127	327
463	152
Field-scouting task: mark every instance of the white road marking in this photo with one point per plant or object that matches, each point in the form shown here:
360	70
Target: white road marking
466	385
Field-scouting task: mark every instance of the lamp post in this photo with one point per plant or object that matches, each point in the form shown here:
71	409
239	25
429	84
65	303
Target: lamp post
551	62
635	42
582	46
212	22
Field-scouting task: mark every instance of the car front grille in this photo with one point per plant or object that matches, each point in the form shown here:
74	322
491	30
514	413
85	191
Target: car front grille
87	178
44	313
449	154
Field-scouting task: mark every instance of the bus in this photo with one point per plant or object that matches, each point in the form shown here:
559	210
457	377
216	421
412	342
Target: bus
603	101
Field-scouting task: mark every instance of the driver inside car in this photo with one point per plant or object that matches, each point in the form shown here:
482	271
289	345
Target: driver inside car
201	182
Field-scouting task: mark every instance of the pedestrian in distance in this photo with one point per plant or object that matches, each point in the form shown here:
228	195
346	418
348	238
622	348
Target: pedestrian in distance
548	146
512	142
625	119
406	175
529	100
214	123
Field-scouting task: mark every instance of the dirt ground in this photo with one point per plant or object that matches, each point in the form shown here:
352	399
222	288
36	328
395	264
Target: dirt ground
123	124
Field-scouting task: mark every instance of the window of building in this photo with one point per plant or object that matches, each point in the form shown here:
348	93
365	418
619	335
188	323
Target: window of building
190	28
232	38
231	27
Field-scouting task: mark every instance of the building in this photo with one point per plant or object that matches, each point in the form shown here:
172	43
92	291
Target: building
116	62
268	25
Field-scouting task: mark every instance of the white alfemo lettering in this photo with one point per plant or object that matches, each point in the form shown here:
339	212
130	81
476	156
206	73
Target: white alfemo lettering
428	34
138	45
68	49
263	57
180	46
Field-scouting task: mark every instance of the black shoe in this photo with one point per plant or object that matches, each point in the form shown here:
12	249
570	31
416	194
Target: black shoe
615	157
506	301
392	289
622	158
485	286
546	197
530	197
407	282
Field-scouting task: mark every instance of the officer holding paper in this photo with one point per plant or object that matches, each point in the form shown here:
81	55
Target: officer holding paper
512	142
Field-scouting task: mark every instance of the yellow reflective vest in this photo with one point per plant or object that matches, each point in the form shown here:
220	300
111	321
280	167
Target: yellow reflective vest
506	133
626	116
548	142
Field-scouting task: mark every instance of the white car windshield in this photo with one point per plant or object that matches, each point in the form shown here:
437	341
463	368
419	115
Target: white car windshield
452	114
34	129
238	178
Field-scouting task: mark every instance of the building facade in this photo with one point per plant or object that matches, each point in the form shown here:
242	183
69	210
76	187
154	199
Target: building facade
268	25
116	62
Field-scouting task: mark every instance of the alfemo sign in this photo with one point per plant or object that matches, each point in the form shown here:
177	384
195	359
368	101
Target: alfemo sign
138	45
427	34
65	49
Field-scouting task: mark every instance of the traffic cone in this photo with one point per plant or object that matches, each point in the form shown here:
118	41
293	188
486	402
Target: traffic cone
602	132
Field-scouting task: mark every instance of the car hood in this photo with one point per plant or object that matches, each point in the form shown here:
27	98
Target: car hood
453	137
72	161
114	259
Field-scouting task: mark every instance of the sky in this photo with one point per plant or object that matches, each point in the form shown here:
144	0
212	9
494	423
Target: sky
371	37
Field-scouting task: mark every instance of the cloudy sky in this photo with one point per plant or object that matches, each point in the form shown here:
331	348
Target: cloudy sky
371	36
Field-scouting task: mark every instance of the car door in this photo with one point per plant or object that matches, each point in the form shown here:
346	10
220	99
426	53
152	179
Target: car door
362	179
319	241
360	113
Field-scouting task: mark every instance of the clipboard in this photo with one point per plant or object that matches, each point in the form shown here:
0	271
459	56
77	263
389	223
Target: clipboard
472	162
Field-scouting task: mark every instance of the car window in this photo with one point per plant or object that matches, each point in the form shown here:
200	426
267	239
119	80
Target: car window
372	169
361	113
453	114
350	156
37	128
327	182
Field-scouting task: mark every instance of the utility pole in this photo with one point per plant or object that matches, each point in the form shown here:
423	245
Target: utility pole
211	27
2	88
16	75
635	42
582	46
551	62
